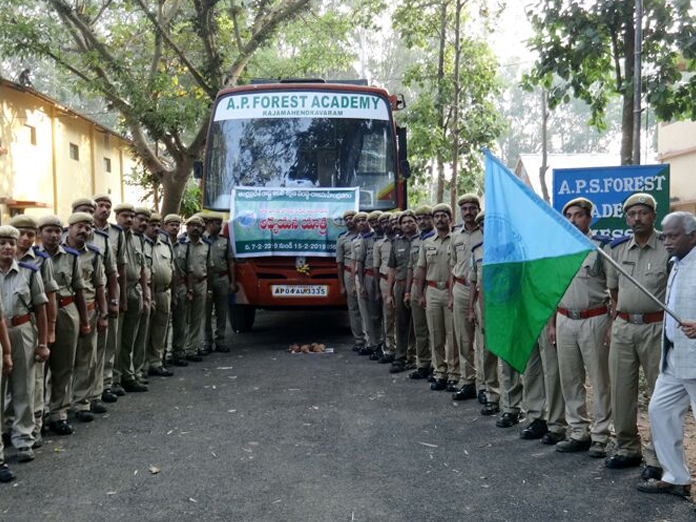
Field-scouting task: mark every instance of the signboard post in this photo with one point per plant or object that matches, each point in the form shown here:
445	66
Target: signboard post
288	221
608	188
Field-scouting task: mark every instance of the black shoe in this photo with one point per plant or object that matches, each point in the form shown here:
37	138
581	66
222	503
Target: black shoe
552	438
61	427
536	430
468	391
222	348
397	367
452	387
386	359
38	441
203	352
481	397
573	445
508	420
134	387
623	461
431	377
420	373
366	350
439	385
160	371
118	390
490	408
142	380
7	440
411	366
651	472
194	358
5	474
109	396
357	348
97	407
658	486
179	361
84	416
25	454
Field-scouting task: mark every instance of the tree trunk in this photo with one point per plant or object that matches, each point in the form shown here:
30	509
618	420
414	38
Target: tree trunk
455	115
174	186
440	103
544	146
627	108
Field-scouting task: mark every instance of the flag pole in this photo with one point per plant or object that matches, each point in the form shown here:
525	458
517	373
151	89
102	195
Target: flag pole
659	303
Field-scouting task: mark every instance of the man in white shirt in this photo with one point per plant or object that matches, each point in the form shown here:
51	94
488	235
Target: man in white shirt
675	388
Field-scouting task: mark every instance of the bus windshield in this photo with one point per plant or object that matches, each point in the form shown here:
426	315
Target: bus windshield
294	147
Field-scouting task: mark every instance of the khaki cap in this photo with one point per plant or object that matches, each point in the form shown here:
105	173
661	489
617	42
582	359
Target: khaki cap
102	197
172	218
360	215
156	217
479	217
443	207
374	215
385	216
50	221
468	198
80	217
395	216
640	198
349	212
195	220
24	221
407	213
123	207
214	216
143	211
81	202
424	210
578	202
8	231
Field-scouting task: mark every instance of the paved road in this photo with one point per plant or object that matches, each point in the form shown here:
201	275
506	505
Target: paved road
262	435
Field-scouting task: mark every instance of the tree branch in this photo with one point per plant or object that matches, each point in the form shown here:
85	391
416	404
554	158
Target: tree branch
235	24
615	56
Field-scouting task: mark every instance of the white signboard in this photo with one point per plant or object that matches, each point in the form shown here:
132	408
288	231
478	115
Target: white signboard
301	104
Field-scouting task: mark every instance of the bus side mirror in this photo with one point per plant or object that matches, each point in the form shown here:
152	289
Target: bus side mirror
197	169
405	169
404	165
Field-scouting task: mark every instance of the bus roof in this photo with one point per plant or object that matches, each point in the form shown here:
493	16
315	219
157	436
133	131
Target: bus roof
305	86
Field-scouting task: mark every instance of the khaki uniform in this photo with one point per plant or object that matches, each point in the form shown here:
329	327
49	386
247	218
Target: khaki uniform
218	300
2	446
140	349
344	255
420	321
381	252
85	372
399	257
370	308
162	277
200	265
129	321
21	288
434	258
110	338
61	362
580	341
462	242
635	342
180	305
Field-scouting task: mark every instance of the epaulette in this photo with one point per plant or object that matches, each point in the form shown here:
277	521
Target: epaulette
71	250
619	240
476	246
117	227
94	249
343	233
101	233
30	266
206	240
149	240
428	234
181	239
65	229
368	235
40	253
457	226
603	240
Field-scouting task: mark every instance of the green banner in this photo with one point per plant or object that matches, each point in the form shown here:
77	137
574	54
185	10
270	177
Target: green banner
288	222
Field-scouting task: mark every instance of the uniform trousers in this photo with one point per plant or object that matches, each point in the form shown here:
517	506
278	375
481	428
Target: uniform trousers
440	325
180	308
217	303
18	387
542	396
61	362
140	348
388	319
487	377
112	342
420	332
159	322
129	322
85	366
196	313
464	334
357	327
402	321
371	312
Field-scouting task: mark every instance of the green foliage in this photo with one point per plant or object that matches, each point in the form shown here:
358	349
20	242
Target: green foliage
191	201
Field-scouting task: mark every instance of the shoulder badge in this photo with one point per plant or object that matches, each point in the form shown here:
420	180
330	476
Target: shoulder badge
181	239
429	234
477	245
619	240
206	240
30	266
149	240
40	253
94	249
101	233
343	233
457	227
117	227
71	250
604	240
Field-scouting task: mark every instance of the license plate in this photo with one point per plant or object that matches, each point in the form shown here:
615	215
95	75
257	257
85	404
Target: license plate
300	290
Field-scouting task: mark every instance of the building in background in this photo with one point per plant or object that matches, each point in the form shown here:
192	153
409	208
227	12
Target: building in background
676	145
51	155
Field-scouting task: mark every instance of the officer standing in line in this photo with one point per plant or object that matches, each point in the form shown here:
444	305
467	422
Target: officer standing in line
110	339
223	284
137	297
433	271
162	271
91	264
636	332
171	224
27	252
366	284
181	297
346	280
463	240
6	474
199	272
424	220
399	255
24	302
381	251
71	321
580	335
140	223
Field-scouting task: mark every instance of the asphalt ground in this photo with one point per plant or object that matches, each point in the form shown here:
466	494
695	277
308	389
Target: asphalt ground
263	435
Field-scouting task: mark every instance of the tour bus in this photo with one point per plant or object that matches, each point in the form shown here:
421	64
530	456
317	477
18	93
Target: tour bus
304	134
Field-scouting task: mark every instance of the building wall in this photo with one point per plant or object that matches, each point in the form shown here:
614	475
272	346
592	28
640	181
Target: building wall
676	145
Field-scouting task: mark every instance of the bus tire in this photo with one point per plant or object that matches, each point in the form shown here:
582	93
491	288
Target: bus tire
242	317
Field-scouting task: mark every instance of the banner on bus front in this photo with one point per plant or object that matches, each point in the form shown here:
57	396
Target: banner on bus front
608	188
288	221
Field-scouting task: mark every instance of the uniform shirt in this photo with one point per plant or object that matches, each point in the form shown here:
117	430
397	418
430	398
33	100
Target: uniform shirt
219	254
21	288
415	249
135	258
67	273
43	262
117	242
476	265
363	247
462	242
588	289
434	256
147	253
381	253
343	237
349	249
199	259
399	255
648	265
162	265
92	268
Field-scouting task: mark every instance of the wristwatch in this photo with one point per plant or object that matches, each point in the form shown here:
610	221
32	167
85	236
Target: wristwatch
114	302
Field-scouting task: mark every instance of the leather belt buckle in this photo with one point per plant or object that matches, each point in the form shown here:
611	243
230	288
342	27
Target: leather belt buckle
574	314
636	319
441	285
